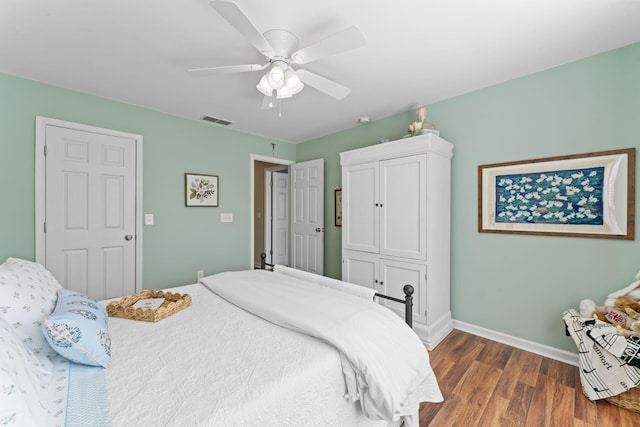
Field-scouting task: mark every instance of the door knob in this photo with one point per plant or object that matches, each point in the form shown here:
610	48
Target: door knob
128	237
318	230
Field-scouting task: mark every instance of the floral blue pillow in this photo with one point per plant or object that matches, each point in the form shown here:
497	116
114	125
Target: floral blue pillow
77	329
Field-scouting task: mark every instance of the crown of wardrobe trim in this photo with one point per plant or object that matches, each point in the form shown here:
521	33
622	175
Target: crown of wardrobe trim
429	143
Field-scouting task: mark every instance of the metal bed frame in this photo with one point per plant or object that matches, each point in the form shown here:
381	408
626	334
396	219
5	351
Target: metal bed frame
407	289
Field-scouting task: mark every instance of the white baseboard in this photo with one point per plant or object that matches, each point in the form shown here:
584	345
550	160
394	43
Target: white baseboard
533	347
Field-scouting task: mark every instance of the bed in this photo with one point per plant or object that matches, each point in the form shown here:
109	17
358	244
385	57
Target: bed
294	353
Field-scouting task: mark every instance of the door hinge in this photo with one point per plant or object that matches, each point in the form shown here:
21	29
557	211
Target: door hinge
45	151
45	226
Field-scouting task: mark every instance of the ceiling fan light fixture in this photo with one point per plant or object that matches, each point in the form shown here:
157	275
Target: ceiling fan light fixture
283	92
264	87
282	79
291	78
276	75
292	81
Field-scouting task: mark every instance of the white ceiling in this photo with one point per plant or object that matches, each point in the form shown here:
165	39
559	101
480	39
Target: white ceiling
417	52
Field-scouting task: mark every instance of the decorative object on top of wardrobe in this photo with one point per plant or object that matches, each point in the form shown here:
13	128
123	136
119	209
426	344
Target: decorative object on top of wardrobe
396	225
418	127
201	190
581	195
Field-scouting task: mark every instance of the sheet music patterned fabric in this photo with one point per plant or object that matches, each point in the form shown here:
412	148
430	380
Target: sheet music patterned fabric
609	363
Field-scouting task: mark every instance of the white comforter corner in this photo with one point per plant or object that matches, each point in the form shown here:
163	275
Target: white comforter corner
386	359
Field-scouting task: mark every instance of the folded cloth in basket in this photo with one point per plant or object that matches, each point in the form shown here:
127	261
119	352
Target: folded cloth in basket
627	349
601	373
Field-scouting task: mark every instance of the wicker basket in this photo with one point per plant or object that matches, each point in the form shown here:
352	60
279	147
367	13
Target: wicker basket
172	304
629	399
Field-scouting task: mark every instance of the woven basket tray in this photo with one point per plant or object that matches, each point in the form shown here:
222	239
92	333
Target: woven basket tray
628	400
172	304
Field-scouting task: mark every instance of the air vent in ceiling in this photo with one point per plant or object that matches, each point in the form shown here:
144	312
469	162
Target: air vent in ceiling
216	121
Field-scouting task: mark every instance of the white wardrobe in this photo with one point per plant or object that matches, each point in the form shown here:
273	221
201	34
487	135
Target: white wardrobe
396	226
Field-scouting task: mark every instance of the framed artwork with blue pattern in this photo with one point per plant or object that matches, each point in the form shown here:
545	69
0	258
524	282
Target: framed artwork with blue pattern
581	195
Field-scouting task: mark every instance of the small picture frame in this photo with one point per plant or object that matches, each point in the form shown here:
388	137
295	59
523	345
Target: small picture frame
201	190
580	195
337	197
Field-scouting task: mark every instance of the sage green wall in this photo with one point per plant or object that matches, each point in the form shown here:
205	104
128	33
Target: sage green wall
514	284
183	240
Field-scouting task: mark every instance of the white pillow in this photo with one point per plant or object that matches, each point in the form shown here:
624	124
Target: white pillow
28	293
23	390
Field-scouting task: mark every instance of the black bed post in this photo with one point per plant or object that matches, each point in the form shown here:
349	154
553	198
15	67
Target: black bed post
263	260
408	304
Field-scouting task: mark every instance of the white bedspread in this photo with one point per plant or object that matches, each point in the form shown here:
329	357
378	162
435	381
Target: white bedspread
214	364
389	363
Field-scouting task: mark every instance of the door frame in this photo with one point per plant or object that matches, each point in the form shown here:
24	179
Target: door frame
40	186
253	158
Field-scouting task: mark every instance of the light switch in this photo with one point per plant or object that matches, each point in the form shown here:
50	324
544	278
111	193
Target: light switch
226	217
148	219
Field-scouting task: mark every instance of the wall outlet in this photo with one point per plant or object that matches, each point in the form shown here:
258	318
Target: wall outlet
200	274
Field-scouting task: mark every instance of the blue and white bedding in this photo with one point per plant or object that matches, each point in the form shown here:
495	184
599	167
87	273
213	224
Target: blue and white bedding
38	386
77	395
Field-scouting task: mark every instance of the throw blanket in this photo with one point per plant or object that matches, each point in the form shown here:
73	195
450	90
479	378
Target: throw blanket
606	358
386	360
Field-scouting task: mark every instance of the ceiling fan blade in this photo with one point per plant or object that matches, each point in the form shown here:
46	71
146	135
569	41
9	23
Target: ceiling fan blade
241	22
331	88
345	40
197	72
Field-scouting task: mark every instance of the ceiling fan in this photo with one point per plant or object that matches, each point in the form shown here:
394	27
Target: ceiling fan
280	49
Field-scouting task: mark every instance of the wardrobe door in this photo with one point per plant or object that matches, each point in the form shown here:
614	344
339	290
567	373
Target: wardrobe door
403	207
360	207
360	268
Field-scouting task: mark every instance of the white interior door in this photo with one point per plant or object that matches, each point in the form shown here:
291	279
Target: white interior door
90	211
279	218
307	216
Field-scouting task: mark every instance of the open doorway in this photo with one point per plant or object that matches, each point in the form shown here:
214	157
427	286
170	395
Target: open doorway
277	224
306	212
260	165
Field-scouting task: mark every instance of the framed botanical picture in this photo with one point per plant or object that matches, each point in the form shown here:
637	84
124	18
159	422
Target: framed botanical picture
201	190
582	195
338	207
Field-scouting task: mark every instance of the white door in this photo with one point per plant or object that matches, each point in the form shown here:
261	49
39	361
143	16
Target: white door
279	221
307	216
90	211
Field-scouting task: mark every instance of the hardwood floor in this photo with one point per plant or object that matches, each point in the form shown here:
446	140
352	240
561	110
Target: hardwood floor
486	383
